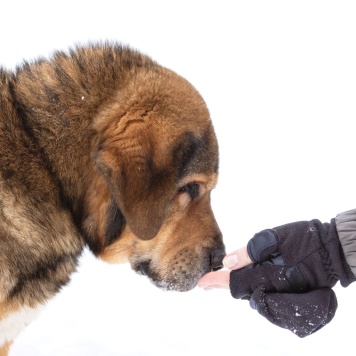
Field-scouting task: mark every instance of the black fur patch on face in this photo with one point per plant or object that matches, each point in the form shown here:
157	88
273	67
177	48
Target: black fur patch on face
196	154
185	151
115	224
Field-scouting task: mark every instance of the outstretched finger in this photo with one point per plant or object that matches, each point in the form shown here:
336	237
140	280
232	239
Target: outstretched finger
212	280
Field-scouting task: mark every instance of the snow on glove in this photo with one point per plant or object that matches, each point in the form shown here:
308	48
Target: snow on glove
293	259
301	313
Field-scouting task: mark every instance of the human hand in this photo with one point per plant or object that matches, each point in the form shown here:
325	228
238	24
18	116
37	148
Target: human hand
302	313
289	283
221	279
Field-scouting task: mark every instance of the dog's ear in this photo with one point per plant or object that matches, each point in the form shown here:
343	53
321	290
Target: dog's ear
142	190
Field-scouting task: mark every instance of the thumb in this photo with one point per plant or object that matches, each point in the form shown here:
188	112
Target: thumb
237	259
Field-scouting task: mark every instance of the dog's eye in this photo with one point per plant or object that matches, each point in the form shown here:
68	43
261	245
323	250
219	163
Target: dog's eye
192	189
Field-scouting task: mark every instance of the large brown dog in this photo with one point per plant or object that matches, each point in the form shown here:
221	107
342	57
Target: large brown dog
101	147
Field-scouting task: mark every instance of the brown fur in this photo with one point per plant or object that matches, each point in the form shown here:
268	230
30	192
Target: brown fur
102	147
4	350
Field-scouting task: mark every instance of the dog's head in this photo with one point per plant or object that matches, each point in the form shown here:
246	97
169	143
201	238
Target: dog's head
158	156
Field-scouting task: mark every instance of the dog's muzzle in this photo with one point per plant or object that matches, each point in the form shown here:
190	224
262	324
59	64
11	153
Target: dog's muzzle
216	261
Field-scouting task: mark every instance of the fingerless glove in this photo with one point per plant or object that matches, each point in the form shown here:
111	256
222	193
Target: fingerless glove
295	267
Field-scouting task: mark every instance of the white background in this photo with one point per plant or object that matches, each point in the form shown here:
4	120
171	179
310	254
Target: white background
279	78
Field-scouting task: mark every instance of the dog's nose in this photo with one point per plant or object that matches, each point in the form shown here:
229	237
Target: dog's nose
216	261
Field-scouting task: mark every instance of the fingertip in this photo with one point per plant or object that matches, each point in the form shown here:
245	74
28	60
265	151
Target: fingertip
204	281
231	261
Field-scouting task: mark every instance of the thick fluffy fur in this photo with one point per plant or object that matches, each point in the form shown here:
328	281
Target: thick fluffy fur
102	147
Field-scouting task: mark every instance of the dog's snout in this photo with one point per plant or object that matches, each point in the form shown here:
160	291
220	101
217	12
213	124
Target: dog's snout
216	260
218	254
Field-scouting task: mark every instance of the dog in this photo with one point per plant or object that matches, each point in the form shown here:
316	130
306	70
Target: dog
101	146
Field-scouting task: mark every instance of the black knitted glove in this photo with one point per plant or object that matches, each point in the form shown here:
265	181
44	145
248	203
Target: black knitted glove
295	267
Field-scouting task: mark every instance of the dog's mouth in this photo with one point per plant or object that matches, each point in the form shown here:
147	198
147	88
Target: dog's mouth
143	268
182	274
171	280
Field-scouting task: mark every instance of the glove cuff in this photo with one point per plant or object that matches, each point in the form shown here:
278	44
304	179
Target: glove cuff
337	257
346	228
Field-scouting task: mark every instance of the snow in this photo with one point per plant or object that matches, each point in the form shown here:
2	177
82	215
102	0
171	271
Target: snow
279	80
